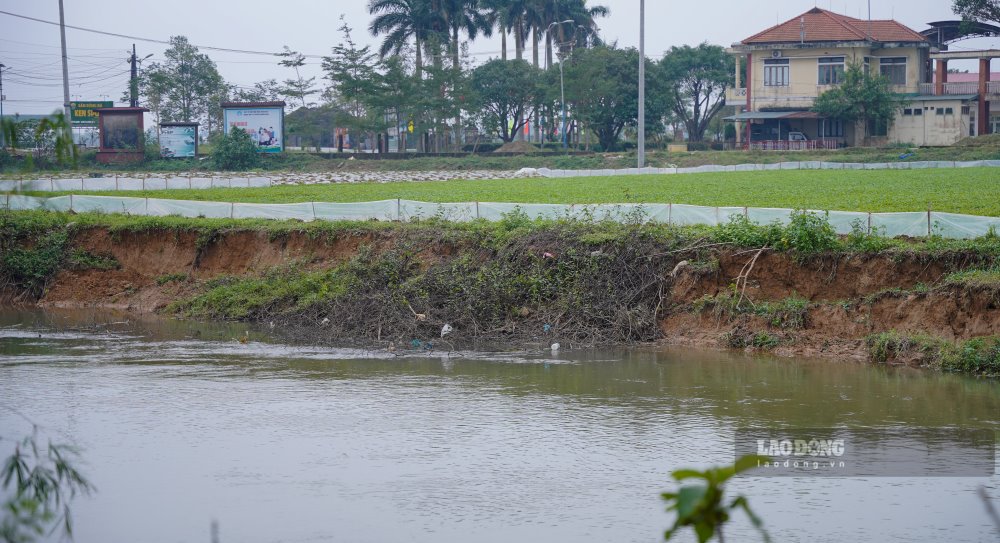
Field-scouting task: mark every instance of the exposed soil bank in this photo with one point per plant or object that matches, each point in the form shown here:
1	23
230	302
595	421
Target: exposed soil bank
392	285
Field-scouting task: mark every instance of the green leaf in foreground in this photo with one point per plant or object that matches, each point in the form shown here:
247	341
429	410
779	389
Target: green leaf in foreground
702	506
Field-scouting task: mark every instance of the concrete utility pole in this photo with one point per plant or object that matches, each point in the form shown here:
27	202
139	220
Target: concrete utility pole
2	66
65	63
133	83
642	83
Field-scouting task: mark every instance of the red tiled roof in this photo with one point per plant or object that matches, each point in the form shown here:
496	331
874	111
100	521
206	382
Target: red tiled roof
821	25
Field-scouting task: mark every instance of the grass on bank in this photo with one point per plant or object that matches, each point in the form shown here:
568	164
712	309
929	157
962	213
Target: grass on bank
973	191
977	356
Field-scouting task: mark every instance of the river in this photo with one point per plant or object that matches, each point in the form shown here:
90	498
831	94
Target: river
181	425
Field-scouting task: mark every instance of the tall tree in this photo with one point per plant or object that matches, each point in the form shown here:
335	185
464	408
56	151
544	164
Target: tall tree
351	71
463	15
495	15
697	78
602	83
153	88
299	87
863	97
977	10
505	91
190	81
582	28
536	19
395	90
262	91
401	21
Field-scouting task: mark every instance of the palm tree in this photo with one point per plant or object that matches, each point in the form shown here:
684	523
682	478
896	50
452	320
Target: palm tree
464	15
401	21
536	14
496	15
510	15
582	27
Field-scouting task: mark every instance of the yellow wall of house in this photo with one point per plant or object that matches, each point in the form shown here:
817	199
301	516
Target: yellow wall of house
804	84
931	129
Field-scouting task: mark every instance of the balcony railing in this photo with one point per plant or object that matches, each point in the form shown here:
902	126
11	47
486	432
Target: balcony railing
782	145
736	95
965	87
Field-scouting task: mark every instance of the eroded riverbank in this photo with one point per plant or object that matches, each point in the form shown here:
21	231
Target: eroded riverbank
796	290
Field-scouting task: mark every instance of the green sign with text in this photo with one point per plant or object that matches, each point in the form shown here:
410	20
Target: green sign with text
84	113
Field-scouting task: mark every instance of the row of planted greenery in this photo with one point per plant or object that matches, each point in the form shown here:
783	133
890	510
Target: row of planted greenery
588	282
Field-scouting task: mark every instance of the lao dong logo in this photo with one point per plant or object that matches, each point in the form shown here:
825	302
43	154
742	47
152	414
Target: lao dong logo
812	454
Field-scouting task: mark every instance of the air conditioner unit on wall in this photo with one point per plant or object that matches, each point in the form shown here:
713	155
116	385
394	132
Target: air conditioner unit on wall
776	54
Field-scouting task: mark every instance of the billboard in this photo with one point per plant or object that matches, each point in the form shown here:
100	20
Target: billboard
84	114
265	125
178	141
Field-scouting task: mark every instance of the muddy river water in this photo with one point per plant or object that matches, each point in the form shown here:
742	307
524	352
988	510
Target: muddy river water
181	425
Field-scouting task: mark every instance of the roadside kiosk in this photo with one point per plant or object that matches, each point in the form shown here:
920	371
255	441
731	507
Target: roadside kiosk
122	137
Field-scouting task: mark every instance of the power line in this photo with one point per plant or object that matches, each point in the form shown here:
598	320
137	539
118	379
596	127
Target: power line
137	38
208	47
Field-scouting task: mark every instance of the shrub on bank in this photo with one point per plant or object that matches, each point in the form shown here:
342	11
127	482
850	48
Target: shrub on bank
235	151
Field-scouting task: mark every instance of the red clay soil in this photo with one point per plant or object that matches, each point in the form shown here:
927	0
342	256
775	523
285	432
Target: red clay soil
848	293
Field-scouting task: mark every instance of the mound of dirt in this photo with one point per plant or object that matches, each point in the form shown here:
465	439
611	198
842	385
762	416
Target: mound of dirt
989	140
517	147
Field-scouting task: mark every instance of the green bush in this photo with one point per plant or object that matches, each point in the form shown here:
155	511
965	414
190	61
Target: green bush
886	346
863	241
740	231
32	267
980	356
809	233
235	151
806	233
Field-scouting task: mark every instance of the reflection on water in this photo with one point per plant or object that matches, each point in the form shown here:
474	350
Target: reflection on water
181	424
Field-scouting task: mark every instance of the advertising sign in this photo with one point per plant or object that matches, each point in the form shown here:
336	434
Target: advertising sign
84	114
265	126
178	141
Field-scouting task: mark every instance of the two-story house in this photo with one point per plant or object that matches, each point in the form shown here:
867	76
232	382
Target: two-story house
788	65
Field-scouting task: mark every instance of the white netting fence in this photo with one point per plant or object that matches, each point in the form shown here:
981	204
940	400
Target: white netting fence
132	183
914	224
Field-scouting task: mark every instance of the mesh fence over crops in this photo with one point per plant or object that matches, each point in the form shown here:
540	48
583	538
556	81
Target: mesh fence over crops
137	183
915	224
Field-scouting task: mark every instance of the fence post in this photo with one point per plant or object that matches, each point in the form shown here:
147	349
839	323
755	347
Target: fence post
232	210
8	201
21	183
52	185
143	183
71	203
399	214
81	185
869	222
477	207
147	206
746	212
190	183
670	213
313	204
717	220
116	183
928	221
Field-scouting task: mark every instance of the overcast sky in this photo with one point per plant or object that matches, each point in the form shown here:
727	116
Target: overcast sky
99	72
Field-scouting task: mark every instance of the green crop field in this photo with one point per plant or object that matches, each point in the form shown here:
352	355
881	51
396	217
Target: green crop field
974	191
